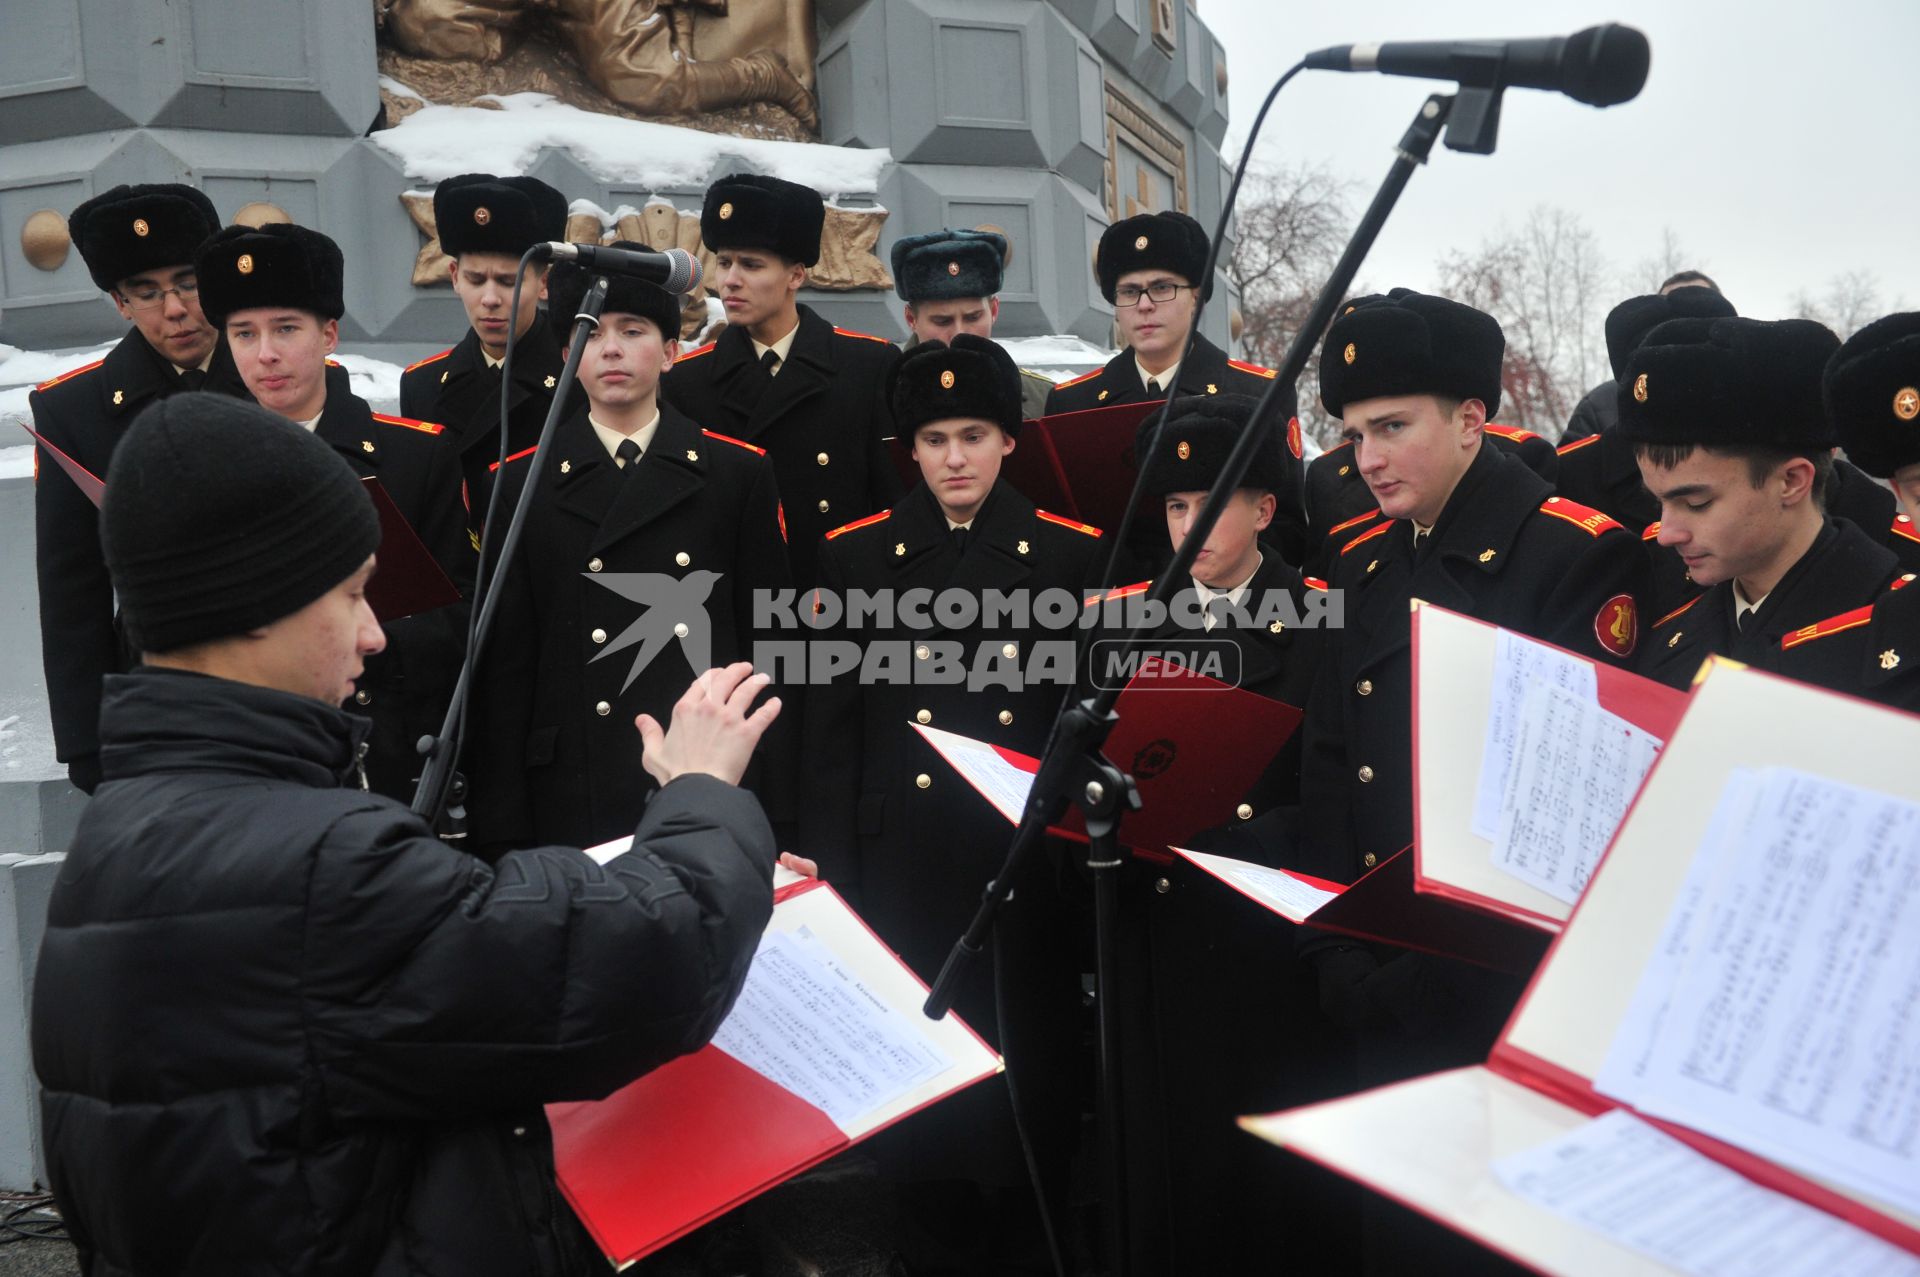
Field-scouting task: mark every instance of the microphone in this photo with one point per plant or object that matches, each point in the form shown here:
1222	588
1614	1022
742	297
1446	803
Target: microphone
675	270
1600	66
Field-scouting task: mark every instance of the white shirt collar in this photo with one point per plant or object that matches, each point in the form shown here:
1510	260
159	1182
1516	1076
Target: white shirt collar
312	423
491	361
1236	596
1740	604
612	439
779	348
1165	376
205	364
955	527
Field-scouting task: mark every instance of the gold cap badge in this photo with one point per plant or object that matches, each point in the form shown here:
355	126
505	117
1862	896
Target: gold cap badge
1349	353
953	268
1140	243
1184	451
140	227
245	264
726	211
482	215
1640	388
1906	404
946	379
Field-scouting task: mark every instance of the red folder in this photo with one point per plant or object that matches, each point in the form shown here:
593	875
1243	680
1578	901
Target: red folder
90	483
699	1136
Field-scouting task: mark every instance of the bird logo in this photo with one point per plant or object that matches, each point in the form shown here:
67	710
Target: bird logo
674	608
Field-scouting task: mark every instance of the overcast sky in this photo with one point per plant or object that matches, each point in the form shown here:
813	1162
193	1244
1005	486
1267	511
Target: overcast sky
1777	140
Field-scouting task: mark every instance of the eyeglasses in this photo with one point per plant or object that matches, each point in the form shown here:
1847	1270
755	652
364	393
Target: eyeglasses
151	295
1162	291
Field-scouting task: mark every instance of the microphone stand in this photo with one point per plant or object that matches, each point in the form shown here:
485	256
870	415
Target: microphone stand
1073	769
438	779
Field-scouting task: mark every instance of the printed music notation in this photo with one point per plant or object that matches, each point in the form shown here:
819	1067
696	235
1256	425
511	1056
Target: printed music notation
1518	664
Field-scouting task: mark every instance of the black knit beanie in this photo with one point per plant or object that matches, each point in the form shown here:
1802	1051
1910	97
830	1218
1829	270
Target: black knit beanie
220	516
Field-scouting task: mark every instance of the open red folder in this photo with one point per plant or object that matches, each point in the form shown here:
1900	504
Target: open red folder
1455	685
408	581
1193	745
1434	1143
697	1137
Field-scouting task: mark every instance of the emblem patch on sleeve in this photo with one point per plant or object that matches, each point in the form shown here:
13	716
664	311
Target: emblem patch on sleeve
1617	625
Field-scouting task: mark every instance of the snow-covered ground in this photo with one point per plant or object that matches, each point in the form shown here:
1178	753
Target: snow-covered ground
1058	357
20	372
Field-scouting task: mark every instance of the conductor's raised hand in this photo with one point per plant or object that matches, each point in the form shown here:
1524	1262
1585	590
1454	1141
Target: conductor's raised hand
712	733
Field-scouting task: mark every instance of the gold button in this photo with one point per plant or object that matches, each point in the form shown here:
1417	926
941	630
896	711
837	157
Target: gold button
363	698
1368	860
1162	885
1366	775
1010	651
599	636
683	558
594	564
680	630
923	716
821	459
603	709
1244	811
1364	687
922	652
1006	718
823	507
923	780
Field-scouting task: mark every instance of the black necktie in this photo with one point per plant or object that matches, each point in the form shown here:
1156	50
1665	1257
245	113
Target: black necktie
960	540
1742	617
769	362
1220	611
627	453
192	379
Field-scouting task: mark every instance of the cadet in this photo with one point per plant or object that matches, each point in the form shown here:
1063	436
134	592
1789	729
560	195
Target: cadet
1596	412
1726	420
278	294
485	224
950	281
643	546
898	830
780	376
137	242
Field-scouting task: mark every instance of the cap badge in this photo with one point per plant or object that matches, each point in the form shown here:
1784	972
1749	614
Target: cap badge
244	264
482	215
1140	244
1889	659
1640	388
1349	310
1906	404
1349	353
953	268
1184	451
140	227
726	211
946	379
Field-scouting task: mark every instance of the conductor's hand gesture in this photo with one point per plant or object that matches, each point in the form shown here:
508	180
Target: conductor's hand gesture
712	732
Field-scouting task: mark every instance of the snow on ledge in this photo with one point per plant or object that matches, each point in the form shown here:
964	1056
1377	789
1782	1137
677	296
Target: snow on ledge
438	142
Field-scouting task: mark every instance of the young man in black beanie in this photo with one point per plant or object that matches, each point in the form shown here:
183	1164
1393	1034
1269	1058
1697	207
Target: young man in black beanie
485	224
646	544
278	293
781	377
950	282
900	833
1726	419
138	244
327	1033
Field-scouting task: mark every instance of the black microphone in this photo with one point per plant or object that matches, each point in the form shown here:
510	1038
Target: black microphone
1601	66
675	270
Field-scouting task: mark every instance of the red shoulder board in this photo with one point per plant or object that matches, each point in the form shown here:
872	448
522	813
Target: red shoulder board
859	523
1315	583
1087	528
524	452
430	359
1903	527
1577	444
1354	522
1514	433
1832	625
334	363
1344	443
1255	369
1652	533
51	382
424	427
1677	611
1120	592
738	443
1901	582
695	354
1368	535
1580	516
848	332
1074	381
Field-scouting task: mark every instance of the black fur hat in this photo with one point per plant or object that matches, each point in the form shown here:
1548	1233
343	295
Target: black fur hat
481	213
1168	241
1199	434
1726	382
130	229
278	264
1408	343
1872	392
942	265
1629	323
567	284
766	213
974	377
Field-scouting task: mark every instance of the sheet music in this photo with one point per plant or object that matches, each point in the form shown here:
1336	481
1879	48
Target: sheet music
1783	1011
999	781
1575	770
606	851
1643	1189
1282	892
1519	662
806	1023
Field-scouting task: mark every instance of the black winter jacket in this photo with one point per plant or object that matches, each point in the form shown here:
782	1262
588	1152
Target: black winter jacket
283	1029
